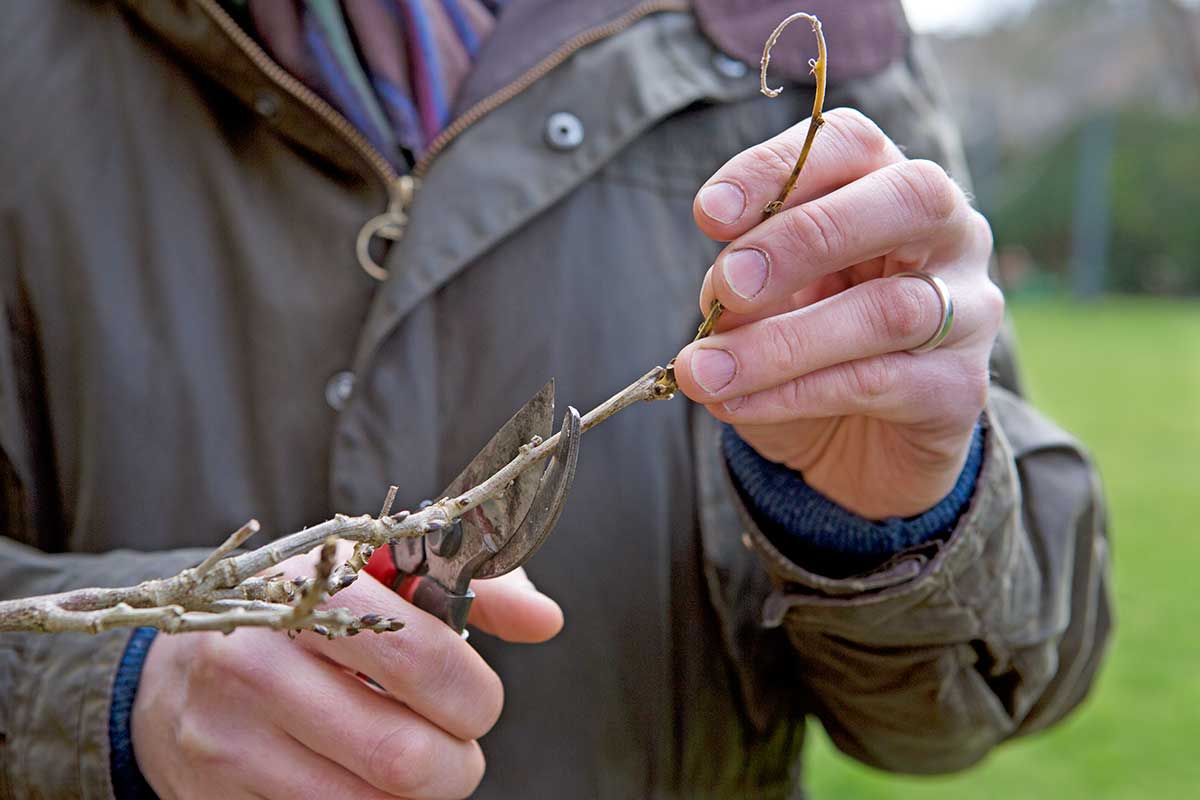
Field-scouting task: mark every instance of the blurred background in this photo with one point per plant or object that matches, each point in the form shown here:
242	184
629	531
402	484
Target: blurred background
1081	120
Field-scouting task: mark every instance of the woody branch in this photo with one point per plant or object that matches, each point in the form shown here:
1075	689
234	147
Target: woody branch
230	590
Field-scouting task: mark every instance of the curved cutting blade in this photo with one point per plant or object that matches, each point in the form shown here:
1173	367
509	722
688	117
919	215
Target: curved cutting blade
499	517
547	505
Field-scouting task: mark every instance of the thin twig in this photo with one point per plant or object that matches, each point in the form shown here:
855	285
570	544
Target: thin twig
820	68
224	616
645	388
389	500
347	573
317	588
235	540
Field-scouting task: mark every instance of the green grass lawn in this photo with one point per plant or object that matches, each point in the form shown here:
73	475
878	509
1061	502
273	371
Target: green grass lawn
1124	376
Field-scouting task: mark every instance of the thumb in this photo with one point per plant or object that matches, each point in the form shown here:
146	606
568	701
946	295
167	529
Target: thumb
512	608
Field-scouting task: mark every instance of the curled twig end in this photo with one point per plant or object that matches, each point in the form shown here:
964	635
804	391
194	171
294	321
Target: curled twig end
817	65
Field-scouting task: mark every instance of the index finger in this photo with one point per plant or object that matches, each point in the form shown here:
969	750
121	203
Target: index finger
426	666
848	147
371	736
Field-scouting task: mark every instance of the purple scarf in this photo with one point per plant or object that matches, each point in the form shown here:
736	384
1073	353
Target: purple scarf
392	67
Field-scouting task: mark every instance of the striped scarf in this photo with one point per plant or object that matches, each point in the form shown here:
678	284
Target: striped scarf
392	67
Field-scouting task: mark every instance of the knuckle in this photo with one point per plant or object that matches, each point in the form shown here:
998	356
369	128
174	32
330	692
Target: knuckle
474	769
439	666
814	231
722	413
490	705
784	344
769	160
925	189
862	134
230	660
194	738
898	311
210	649
402	759
958	388
871	379
212	661
796	394
929	391
416	665
992	304
977	384
447	669
981	231
707	293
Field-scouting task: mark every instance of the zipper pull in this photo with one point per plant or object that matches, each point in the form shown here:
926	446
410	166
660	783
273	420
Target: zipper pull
389	225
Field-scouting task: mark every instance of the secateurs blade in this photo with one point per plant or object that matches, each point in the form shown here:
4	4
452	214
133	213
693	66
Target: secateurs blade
434	571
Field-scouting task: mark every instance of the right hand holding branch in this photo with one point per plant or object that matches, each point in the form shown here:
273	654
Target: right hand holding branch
254	714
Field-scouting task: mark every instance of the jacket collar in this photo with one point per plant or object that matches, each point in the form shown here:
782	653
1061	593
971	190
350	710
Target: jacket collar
202	34
864	37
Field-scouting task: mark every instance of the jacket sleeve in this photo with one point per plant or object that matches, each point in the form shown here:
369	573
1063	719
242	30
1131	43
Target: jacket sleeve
56	689
927	662
925	665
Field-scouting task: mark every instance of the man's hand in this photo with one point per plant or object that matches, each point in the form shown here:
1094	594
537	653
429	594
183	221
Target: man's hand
255	715
810	360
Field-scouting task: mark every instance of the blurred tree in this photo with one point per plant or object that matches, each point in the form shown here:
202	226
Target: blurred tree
1179	26
1031	78
1093	208
1153	194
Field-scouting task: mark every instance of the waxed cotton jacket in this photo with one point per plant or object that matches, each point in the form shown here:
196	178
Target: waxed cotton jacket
189	341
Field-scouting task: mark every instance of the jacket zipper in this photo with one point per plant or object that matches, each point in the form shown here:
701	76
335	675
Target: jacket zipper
401	188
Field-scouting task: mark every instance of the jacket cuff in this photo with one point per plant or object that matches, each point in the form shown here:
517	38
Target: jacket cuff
813	530
916	576
128	781
57	741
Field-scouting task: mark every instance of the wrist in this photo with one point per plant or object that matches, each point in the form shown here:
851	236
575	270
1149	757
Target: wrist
875	470
825	536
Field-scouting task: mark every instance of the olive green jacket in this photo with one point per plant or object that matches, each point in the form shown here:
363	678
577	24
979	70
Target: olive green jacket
189	341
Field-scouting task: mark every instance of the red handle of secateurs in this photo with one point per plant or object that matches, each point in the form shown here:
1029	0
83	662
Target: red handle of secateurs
421	590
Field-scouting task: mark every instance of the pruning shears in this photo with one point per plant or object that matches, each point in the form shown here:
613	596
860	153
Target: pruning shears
434	571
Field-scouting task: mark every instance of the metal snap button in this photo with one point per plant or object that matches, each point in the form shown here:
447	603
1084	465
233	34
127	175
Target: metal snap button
266	104
564	131
339	389
729	67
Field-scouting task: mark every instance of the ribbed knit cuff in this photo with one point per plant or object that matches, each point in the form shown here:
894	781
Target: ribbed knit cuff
128	782
820	535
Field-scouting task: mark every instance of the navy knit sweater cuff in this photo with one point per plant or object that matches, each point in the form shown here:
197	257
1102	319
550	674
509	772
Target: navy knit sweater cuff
820	535
127	779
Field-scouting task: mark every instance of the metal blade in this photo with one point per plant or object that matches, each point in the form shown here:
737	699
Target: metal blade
547	505
495	520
